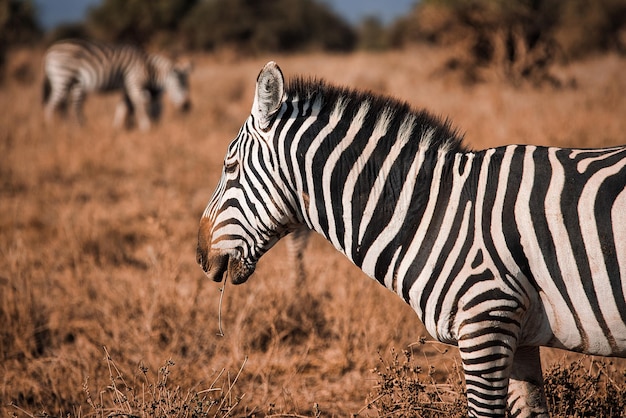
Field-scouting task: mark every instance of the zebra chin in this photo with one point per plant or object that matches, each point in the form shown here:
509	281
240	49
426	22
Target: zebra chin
216	265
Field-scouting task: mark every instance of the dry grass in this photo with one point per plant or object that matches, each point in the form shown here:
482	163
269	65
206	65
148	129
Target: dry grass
97	247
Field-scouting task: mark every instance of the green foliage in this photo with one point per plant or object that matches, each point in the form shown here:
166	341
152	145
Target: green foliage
251	25
67	30
585	27
137	20
17	22
523	32
266	25
514	38
18	25
578	27
373	35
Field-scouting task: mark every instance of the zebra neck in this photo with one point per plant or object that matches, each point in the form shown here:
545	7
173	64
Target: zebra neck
366	188
158	66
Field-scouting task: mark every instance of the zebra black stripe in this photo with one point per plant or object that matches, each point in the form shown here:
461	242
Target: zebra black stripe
498	251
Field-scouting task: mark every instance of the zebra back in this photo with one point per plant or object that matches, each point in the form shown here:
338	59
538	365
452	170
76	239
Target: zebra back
97	65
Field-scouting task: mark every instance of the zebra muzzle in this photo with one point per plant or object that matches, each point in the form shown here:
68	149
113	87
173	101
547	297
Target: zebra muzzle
239	271
213	265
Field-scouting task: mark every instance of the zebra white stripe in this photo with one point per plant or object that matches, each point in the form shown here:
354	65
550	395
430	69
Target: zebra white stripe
73	68
498	251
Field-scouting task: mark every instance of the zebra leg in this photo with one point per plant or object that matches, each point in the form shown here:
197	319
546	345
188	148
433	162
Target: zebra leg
57	100
77	96
487	345
123	113
526	395
140	100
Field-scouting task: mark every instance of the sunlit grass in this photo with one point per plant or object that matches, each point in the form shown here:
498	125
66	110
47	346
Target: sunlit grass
98	233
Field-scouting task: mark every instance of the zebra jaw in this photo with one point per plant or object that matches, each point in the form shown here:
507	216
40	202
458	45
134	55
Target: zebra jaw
215	266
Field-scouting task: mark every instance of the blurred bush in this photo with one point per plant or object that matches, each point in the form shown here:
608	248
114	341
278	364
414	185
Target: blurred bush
266	25
514	37
249	25
138	21
521	38
586	27
18	25
373	35
579	27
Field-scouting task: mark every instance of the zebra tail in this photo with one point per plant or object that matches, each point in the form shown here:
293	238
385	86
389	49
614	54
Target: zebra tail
47	89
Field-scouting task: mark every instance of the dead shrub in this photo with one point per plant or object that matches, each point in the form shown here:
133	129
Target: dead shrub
157	397
404	390
576	391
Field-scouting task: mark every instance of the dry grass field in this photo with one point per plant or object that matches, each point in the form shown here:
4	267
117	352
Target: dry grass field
104	310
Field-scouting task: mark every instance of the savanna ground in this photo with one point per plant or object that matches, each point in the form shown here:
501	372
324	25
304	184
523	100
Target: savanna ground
104	310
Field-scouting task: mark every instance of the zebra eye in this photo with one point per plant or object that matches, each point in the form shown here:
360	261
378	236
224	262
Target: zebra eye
230	167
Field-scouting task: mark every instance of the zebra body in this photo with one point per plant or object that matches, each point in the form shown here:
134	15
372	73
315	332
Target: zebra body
498	251
74	68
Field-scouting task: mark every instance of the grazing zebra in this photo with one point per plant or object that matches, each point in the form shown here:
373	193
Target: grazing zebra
498	251
73	68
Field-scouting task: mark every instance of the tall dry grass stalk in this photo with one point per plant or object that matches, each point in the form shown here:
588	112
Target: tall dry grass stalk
98	230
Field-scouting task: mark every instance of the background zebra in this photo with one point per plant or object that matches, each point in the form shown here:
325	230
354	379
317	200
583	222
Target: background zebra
296	244
498	251
73	68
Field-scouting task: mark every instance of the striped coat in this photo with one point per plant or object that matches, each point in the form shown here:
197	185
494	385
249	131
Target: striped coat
498	251
74	68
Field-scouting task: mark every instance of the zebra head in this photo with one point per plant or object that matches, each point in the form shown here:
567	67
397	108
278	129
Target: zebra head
250	209
176	84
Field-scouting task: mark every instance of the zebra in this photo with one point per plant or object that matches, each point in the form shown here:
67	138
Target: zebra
499	251
74	67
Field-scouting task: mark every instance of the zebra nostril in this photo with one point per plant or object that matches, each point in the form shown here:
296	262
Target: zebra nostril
186	107
201	258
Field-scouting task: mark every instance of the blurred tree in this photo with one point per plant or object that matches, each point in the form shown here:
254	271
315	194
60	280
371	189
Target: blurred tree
18	25
17	22
67	30
585	27
515	37
577	27
372	34
137	21
266	25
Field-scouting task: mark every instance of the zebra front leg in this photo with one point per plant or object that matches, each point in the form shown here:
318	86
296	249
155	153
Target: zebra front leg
77	96
123	113
487	345
49	109
56	100
526	394
140	101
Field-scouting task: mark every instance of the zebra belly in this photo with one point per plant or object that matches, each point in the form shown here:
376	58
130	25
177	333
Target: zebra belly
583	333
578	262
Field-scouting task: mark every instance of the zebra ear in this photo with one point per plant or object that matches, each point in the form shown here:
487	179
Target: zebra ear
270	88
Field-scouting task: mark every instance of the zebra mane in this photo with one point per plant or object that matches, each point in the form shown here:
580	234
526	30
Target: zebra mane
439	133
